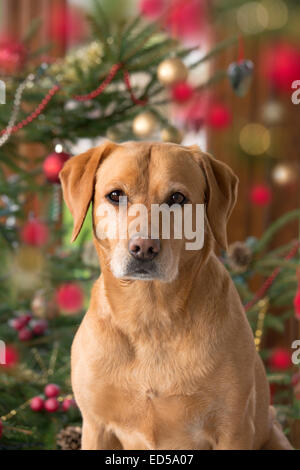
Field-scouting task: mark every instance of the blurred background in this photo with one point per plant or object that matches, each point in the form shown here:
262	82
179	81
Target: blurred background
221	74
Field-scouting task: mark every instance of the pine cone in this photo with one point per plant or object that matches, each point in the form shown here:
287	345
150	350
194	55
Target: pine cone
69	438
239	256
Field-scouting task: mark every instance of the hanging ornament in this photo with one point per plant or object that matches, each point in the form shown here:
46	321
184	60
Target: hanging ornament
51	405
255	139
172	134
13	56
219	116
35	233
144	124
272	113
240	75
68	403
182	92
52	390
37	404
152	9
283	174
281	65
11	357
53	164
261	195
69	298
171	71
280	359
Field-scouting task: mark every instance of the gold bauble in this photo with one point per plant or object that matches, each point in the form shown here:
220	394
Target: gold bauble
255	139
283	173
172	134
144	124
171	71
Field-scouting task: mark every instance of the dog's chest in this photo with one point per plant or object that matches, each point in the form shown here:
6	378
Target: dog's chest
155	402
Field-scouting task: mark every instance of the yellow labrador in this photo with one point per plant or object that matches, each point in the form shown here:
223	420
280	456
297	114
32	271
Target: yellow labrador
164	357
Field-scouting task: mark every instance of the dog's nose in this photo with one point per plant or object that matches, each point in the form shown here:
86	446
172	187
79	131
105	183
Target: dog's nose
144	248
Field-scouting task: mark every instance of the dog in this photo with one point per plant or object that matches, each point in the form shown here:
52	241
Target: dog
164	358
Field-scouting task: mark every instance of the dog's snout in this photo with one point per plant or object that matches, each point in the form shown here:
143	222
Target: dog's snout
144	248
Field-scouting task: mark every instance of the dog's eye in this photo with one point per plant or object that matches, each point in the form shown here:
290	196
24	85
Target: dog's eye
115	195
177	198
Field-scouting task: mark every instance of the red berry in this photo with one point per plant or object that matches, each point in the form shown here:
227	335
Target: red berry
68	403
20	322
37	404
51	405
182	92
25	334
52	390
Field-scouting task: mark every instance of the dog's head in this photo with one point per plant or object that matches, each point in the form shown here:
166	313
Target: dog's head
136	188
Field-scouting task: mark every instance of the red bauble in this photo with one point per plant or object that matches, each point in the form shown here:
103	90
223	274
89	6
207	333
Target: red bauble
37	404
25	334
53	164
68	403
52	390
282	65
297	303
35	233
51	405
69	297
12	56
20	322
11	357
186	19
182	92
39	327
260	195
280	359
219	116
152	9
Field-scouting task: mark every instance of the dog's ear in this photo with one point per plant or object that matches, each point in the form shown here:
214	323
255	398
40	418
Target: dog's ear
78	181
220	195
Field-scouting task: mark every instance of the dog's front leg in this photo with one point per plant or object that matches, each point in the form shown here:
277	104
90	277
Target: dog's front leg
237	436
96	437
